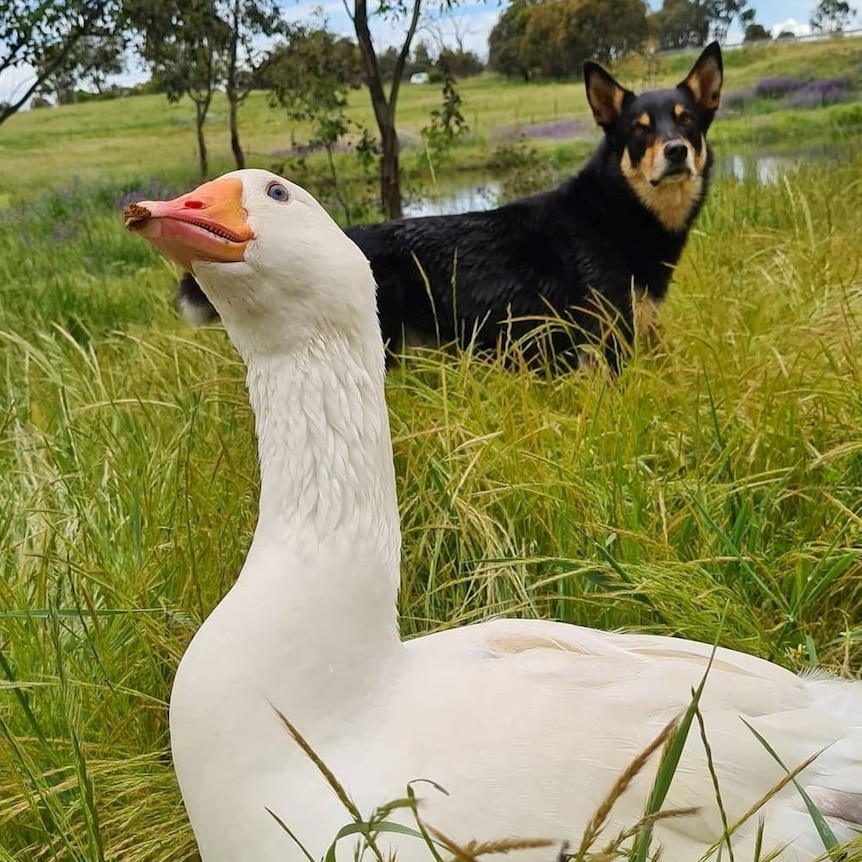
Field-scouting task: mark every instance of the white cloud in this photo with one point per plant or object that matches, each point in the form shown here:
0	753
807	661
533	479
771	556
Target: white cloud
791	26
13	82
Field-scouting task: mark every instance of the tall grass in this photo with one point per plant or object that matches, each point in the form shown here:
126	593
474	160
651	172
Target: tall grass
719	479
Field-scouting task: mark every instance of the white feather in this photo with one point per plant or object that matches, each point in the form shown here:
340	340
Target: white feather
527	724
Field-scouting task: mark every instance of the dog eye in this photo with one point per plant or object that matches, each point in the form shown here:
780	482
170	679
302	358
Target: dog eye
685	119
640	129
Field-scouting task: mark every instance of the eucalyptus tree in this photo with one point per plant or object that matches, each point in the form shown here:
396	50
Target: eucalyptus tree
195	46
39	39
383	93
250	22
831	16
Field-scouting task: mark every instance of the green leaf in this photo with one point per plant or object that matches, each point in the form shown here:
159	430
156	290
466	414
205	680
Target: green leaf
827	836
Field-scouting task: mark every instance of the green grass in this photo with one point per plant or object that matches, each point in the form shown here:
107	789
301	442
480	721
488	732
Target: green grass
714	490
130	139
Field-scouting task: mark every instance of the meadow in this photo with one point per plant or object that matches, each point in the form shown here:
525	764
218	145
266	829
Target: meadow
713	491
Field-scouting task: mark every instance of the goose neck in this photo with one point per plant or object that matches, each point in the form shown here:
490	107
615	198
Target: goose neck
327	475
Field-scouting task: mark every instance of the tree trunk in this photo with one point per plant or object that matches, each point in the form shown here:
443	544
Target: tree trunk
236	147
390	177
233	92
384	109
201	108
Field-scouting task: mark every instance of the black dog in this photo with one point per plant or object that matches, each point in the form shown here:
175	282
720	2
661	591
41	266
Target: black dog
590	252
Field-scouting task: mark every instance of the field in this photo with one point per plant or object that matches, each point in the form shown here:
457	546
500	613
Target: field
713	491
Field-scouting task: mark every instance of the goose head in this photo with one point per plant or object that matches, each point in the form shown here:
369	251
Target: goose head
277	268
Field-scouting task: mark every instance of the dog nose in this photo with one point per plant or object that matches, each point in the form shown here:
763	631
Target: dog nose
675	151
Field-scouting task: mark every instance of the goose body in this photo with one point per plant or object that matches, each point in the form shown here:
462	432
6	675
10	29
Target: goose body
526	724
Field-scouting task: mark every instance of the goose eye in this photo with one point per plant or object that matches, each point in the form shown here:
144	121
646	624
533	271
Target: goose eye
278	192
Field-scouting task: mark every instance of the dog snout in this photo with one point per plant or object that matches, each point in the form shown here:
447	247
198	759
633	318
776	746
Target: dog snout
675	152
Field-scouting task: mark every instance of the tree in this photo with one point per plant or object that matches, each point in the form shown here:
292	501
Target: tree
681	24
458	63
384	103
387	60
453	59
722	14
184	42
447	122
831	16
193	46
614	30
506	38
42	36
247	20
422	57
311	61
755	32
752	31
552	45
310	77
552	38
91	61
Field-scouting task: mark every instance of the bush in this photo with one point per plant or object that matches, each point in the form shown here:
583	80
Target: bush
737	100
777	87
815	94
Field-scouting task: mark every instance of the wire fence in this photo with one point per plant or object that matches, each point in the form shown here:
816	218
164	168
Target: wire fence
854	32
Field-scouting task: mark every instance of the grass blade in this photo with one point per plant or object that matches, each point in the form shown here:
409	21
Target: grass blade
827	836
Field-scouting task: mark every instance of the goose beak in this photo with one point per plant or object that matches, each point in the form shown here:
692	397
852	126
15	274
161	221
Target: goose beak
208	224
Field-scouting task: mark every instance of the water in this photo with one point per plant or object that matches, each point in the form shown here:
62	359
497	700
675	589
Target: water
771	167
457	195
460	194
766	169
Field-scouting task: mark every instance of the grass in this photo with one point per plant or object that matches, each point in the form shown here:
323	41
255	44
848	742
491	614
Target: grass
712	491
128	139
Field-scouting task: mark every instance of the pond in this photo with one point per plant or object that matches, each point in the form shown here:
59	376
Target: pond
771	166
471	192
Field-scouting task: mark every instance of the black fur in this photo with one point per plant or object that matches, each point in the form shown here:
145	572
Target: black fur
581	251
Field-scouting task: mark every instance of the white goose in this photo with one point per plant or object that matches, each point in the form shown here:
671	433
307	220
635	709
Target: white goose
527	724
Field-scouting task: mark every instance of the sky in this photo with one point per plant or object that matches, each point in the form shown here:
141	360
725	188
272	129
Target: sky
471	21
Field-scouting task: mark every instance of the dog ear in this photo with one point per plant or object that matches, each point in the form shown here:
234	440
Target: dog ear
605	95
705	78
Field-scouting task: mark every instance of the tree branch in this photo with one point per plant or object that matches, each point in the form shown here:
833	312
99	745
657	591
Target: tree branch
369	61
403	55
44	73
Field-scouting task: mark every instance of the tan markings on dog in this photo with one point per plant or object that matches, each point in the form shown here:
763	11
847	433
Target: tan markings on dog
606	99
678	111
705	84
514	644
651	159
700	158
670	202
644	120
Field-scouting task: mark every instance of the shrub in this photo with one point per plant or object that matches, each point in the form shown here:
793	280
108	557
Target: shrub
777	87
737	100
815	94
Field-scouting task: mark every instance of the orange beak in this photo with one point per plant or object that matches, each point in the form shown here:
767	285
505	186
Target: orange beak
205	224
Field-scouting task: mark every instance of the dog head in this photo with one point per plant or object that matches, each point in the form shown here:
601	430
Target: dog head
659	136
